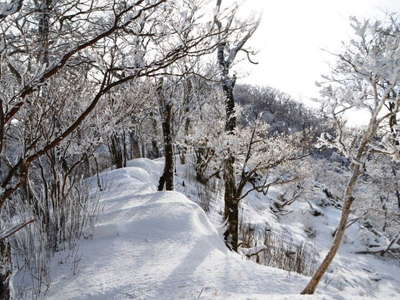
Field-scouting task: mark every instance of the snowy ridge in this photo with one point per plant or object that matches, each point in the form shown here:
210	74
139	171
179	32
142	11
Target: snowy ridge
158	245
161	245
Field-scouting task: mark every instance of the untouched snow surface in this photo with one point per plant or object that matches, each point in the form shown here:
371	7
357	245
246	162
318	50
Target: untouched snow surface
161	245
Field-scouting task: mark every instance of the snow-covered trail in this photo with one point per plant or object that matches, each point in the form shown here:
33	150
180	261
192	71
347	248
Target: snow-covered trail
160	245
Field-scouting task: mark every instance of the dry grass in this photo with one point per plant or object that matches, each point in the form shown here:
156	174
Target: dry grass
276	252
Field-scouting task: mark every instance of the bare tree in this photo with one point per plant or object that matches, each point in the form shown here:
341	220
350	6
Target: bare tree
227	52
365	77
71	37
165	106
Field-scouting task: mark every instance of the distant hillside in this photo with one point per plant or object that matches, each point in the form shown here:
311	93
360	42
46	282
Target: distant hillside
283	113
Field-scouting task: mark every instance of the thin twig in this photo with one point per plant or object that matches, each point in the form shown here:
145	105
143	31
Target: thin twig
14	229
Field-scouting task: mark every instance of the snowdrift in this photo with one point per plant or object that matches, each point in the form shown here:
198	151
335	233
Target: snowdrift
161	245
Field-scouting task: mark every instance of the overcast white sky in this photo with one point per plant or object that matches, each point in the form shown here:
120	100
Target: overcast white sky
293	33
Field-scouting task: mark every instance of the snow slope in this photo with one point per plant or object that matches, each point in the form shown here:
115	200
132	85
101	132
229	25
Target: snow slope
161	245
350	275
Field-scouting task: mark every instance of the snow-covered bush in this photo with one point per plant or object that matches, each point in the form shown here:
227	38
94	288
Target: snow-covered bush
271	249
366	77
63	214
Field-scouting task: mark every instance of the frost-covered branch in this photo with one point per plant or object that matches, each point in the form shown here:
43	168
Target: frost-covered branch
9	232
8	9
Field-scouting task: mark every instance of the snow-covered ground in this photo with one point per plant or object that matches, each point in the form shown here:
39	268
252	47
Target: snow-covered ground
161	245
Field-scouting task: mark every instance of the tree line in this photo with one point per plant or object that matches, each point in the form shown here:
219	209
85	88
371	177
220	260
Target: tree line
87	84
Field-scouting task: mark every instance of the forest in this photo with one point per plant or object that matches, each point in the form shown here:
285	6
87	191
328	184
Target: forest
135	162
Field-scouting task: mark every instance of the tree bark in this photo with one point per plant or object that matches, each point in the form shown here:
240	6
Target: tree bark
135	145
117	152
166	113
44	8
228	85
346	209
168	174
312	285
231	212
5	270
187	99
155	151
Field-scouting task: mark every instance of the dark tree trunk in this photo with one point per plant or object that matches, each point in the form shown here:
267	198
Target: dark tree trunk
394	130
398	199
5	270
167	177
155	151
125	149
397	192
187	99
385	212
44	8
144	150
117	152
226	54
183	149
168	174
231	198
203	156
228	86
135	146
231	212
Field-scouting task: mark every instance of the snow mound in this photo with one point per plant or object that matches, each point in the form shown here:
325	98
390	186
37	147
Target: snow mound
158	245
161	245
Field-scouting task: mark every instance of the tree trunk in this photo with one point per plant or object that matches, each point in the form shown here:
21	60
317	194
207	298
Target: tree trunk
155	151
398	199
348	196
187	99
227	86
124	148
231	212
168	174
397	192
135	145
202	156
117	152
226	53
167	177
44	8
348	201
5	270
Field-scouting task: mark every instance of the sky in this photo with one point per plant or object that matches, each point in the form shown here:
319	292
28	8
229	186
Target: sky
293	36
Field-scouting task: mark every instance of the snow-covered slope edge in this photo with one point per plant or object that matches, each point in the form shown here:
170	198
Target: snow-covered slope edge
150	245
161	245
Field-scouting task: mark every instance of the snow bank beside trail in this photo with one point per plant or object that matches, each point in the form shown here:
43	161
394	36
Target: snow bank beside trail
350	276
153	167
159	245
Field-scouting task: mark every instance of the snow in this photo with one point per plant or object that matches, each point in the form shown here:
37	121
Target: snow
7	9
157	245
350	275
161	245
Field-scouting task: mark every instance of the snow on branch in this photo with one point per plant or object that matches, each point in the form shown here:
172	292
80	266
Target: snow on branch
8	9
9	232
